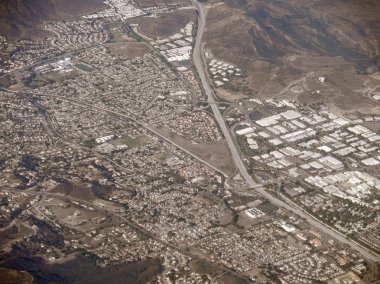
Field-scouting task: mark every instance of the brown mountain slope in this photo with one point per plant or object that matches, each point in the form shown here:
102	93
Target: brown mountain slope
279	42
20	19
269	30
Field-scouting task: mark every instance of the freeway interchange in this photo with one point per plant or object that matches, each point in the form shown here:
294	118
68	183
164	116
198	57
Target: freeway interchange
239	164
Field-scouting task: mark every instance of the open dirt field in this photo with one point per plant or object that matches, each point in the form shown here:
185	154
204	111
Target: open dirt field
215	153
130	49
76	190
229	96
165	24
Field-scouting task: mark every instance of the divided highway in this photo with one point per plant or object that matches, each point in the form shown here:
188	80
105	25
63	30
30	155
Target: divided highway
197	58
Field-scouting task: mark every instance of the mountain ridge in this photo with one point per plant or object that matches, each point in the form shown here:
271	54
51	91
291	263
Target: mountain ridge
21	19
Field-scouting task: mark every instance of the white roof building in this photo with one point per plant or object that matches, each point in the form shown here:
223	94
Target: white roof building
290	114
245	131
331	162
370	162
268	121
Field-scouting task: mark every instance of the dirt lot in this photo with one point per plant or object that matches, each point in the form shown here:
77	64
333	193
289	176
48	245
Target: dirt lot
165	24
130	49
229	96
76	190
215	153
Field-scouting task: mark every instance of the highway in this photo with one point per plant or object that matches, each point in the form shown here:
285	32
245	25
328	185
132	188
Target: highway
197	57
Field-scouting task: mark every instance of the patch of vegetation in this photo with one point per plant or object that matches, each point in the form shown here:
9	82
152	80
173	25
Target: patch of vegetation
83	67
4	201
162	157
39	80
89	143
29	162
58	77
17	212
133	142
103	86
113	25
47	235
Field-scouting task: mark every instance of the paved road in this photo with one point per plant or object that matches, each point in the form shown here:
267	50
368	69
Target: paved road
137	227
197	57
89	105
